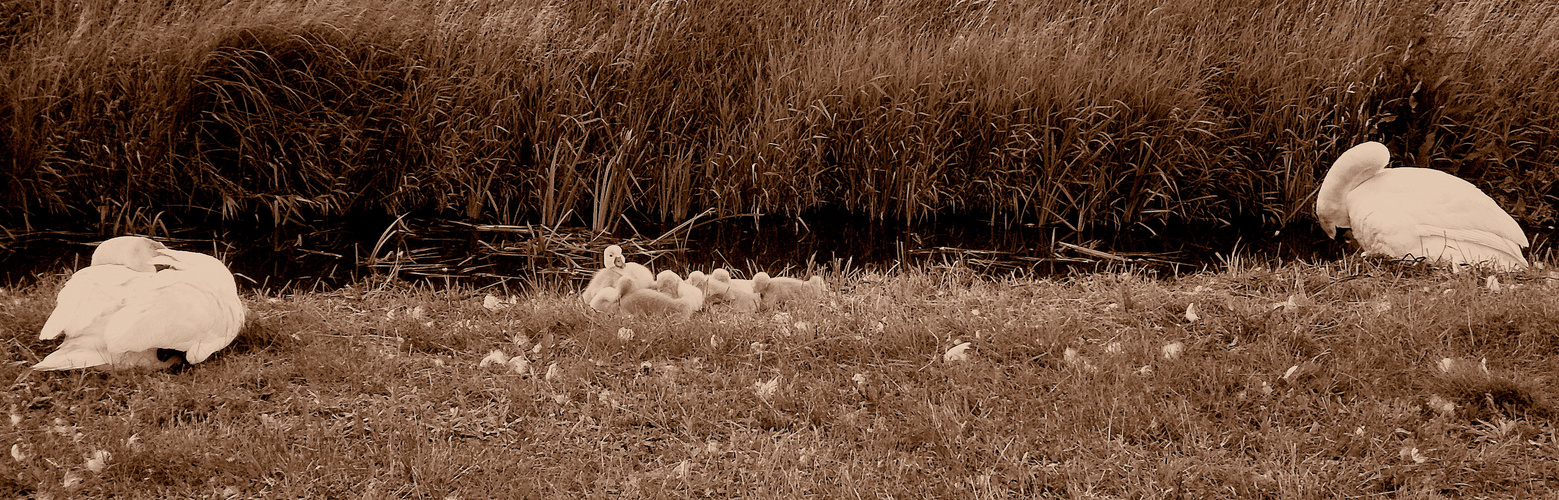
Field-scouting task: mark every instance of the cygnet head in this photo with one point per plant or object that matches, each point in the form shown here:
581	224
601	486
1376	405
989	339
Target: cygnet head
613	258
667	282
134	252
720	275
698	279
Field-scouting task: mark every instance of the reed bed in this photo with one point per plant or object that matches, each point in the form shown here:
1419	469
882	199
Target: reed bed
1080	115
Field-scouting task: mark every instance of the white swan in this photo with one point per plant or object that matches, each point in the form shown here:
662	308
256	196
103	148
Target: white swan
111	314
1415	212
719	287
777	290
614	267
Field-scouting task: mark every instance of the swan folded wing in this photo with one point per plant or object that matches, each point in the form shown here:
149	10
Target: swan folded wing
89	351
1469	245
175	315
1404	211
89	295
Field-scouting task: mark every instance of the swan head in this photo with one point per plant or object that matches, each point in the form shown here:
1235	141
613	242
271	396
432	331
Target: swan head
760	282
613	258
1352	168
134	252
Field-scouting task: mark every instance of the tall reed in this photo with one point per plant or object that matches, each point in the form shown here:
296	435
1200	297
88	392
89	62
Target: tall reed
1060	112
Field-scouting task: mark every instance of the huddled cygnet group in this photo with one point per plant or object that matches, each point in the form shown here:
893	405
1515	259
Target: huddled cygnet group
629	288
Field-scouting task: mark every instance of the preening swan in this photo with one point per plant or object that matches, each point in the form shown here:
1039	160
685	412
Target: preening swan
777	290
614	267
111	314
1415	212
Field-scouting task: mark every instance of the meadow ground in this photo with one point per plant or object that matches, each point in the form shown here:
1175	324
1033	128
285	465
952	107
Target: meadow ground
1347	379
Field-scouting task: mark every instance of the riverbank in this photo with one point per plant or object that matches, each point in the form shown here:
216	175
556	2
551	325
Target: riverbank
1296	381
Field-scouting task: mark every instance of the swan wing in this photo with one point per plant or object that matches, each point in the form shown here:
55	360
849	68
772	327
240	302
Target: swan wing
87	297
176	312
1420	212
76	352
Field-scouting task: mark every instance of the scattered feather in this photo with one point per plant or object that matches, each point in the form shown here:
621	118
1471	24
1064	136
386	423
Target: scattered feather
625	334
1190	313
957	353
99	460
1172	350
1411	454
520	365
18	454
1492	283
493	303
496	357
553	372
766	390
1441	405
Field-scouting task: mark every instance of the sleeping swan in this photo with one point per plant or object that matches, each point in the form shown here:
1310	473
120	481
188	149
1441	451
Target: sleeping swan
1408	212
114	315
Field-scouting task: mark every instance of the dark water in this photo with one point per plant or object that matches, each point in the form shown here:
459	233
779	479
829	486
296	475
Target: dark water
445	253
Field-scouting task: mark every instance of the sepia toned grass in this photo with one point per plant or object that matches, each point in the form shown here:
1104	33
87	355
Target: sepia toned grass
1079	115
1355	378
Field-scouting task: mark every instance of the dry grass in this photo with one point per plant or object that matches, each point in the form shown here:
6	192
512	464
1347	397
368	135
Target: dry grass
1077	114
1296	381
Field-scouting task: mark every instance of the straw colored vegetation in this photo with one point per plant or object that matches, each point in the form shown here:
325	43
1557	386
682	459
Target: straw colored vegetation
1059	112
1297	381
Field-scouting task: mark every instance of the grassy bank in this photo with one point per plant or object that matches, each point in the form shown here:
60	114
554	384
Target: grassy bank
1074	114
1292	382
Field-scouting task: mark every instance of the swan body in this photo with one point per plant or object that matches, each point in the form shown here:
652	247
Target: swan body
690	296
719	287
114	315
1416	212
652	301
614	268
777	290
